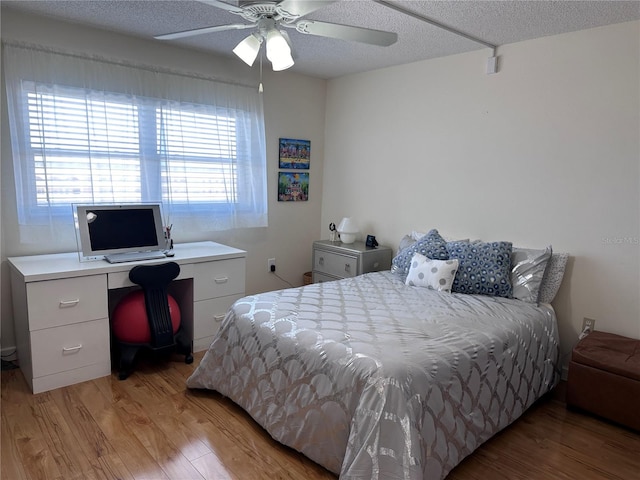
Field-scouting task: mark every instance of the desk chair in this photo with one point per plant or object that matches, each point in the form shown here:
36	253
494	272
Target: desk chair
164	333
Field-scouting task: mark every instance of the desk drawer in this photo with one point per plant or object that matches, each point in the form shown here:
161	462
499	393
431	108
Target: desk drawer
70	300
70	347
335	264
218	279
208	315
121	279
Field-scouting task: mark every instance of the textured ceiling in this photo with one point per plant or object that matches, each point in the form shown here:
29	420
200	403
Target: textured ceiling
495	22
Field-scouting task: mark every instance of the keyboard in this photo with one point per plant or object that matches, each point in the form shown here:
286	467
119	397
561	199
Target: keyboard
134	256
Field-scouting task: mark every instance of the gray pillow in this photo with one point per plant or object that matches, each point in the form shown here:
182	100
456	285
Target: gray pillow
527	270
405	242
553	277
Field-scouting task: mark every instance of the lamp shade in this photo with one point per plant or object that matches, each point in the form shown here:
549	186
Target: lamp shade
347	230
248	49
278	51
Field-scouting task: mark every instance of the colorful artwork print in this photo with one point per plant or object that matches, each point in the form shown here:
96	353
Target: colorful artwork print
295	154
293	187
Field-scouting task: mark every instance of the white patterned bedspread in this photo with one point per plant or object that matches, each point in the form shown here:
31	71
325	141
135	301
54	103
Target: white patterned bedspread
374	379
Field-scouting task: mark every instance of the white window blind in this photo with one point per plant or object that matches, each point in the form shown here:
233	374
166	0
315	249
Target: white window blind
90	131
200	152
84	150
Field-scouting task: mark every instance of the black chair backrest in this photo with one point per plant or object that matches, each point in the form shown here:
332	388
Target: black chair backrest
154	280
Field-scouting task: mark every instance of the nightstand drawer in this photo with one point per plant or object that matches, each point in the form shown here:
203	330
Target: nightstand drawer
52	303
321	277
335	264
70	347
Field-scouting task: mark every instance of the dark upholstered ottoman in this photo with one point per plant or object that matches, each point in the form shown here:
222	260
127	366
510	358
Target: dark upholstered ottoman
604	377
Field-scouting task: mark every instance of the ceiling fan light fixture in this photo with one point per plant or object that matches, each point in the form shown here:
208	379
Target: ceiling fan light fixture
248	49
278	51
286	61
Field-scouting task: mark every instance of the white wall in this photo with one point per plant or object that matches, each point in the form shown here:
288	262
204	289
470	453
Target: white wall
547	151
294	108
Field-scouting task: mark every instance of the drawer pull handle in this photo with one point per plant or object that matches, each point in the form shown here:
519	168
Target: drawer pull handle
218	318
321	260
71	349
347	267
221	280
69	303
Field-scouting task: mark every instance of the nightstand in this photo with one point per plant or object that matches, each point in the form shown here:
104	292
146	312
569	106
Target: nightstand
336	260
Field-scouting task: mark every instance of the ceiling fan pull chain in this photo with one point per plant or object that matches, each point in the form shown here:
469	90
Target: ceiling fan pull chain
260	87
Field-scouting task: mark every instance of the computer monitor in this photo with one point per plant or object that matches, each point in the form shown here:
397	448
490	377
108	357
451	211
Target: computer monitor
119	228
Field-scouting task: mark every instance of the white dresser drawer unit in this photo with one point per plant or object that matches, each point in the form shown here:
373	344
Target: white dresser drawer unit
61	326
335	260
216	286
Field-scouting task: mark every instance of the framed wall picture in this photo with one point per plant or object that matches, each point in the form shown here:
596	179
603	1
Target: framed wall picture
294	154
293	186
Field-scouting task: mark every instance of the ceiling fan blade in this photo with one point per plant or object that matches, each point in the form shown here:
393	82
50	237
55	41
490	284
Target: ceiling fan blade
222	5
347	32
201	31
298	8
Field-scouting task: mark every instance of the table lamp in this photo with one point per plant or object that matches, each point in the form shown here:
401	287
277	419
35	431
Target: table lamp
347	230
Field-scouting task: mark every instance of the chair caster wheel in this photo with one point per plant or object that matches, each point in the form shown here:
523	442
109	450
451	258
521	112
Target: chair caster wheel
188	359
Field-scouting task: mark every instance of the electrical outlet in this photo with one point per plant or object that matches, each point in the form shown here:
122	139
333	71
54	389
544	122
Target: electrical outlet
589	323
271	265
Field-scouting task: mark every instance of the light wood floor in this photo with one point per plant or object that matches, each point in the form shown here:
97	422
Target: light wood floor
150	427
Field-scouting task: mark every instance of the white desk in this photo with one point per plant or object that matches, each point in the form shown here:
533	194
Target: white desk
61	307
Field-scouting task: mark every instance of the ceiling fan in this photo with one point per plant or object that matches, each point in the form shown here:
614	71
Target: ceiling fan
267	16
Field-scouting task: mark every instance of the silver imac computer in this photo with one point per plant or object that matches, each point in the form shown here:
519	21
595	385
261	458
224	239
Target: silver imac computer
121	232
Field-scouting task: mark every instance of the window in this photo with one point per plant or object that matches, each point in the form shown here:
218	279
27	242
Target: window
200	150
87	148
202	155
83	150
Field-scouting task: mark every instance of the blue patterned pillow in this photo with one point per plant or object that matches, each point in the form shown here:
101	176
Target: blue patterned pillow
432	245
484	268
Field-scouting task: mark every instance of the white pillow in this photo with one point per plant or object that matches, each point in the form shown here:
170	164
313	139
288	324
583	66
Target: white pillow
433	274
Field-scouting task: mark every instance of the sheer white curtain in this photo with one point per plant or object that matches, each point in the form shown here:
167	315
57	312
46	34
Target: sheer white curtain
93	130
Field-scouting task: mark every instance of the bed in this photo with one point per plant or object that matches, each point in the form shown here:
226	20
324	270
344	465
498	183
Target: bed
374	378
